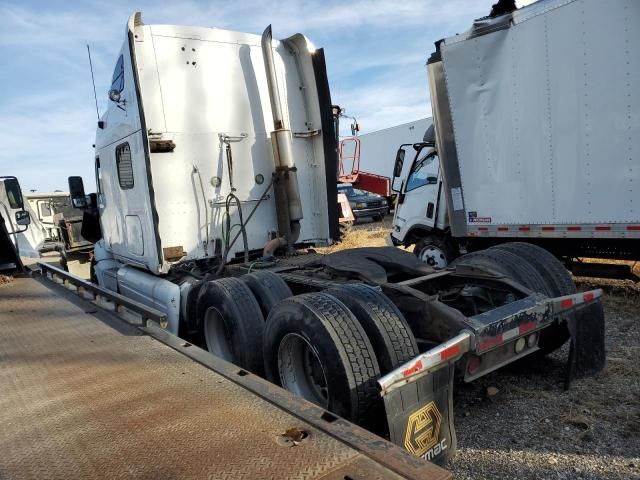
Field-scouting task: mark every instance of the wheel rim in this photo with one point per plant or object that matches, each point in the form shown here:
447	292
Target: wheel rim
216	335
301	371
433	256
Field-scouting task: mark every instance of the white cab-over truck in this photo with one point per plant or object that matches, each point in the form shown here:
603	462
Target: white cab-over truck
537	136
216	163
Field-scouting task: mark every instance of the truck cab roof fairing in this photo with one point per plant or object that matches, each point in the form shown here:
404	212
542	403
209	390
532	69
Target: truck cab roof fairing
187	104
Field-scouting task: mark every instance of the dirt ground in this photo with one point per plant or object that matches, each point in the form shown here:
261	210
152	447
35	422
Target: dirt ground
534	429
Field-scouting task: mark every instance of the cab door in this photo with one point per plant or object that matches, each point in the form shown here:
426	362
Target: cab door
418	199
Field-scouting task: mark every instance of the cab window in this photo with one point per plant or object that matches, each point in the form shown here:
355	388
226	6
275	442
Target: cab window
98	175
424	167
124	166
45	209
117	80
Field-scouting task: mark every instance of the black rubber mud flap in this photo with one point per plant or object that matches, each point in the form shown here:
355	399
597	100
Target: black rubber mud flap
420	416
587	354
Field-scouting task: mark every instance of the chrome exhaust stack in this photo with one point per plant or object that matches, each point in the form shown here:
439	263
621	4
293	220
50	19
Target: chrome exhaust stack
285	180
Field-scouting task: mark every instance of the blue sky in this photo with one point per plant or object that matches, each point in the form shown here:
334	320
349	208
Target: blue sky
376	52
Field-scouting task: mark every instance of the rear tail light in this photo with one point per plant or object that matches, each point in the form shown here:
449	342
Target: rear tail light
531	340
520	344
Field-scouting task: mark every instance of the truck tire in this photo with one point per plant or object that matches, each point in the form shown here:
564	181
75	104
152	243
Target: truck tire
557	278
269	288
386	327
509	264
435	251
232	322
558	282
523	270
315	348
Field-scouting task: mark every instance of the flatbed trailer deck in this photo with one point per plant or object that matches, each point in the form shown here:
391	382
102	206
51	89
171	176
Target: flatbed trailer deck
87	395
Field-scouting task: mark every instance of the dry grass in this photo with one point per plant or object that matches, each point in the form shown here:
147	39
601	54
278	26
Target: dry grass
635	266
365	234
5	279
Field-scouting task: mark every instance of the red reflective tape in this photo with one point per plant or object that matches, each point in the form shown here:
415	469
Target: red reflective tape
416	367
527	327
503	229
634	228
449	352
566	303
471	234
603	228
548	229
524	229
574	229
483	229
588	297
490	342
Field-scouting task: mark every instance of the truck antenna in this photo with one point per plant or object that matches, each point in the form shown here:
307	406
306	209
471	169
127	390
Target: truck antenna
93	80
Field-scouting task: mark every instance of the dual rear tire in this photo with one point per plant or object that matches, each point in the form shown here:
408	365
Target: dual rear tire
327	347
331	347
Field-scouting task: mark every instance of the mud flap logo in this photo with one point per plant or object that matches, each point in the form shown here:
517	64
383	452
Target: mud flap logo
423	431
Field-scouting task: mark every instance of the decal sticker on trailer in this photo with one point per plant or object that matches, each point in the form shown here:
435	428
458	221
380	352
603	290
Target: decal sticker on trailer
474	218
456	197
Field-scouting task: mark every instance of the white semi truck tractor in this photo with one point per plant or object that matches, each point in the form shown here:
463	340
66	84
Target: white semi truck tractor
216	167
536	139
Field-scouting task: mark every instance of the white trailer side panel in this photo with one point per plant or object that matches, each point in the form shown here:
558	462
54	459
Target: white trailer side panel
378	149
546	114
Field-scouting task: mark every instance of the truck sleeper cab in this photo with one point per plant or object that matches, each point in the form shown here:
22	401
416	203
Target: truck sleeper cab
371	335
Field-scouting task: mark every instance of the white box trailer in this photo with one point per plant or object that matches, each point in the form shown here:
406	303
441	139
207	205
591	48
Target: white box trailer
537	127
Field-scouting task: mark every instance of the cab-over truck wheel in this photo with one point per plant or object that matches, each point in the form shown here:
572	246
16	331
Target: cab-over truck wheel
436	251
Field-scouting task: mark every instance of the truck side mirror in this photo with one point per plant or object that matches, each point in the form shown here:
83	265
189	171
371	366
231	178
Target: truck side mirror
14	193
397	167
76	190
23	218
